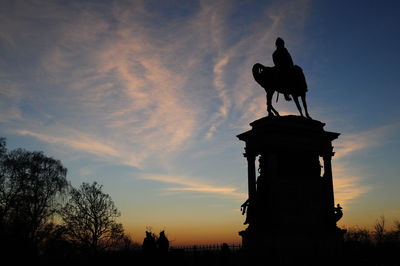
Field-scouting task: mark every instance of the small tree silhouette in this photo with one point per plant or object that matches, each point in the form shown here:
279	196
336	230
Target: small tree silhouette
397	225
379	229
89	218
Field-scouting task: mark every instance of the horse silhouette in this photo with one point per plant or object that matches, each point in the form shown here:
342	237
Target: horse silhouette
292	83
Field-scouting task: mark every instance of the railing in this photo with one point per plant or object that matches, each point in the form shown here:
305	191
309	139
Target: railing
200	249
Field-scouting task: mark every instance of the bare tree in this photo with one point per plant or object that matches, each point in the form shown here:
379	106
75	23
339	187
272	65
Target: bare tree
3	148
89	218
397	229
380	229
397	225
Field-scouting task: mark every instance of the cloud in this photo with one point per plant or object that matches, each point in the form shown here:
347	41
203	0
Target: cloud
223	95
187	184
65	139
83	143
349	183
9	99
349	144
125	86
347	186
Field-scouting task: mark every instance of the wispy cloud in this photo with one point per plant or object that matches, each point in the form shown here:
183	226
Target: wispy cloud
84	143
349	144
121	85
124	87
188	184
348	187
10	96
350	184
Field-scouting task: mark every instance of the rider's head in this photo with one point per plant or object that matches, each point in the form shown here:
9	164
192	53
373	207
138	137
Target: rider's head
279	42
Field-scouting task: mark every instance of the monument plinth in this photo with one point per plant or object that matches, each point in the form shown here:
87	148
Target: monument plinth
290	210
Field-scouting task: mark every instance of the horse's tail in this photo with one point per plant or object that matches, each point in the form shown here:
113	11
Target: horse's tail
299	78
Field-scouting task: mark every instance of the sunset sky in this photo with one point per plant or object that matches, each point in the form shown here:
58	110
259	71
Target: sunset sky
147	97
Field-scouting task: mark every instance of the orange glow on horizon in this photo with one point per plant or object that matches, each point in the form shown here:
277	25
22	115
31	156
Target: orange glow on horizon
189	235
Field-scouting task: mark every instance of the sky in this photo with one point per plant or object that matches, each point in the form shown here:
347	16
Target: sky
147	97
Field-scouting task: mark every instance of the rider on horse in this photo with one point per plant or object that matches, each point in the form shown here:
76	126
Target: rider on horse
284	77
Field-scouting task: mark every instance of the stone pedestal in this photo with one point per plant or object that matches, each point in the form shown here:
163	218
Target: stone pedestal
290	211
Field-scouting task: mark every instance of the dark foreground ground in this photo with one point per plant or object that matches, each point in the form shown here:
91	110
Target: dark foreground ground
352	255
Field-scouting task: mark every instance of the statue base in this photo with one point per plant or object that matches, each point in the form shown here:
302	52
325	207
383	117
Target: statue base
290	212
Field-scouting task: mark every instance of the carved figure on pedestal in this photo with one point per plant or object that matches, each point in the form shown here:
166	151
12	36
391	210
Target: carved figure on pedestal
338	212
284	77
243	208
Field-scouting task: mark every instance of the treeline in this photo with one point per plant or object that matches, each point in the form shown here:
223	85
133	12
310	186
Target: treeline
379	235
42	215
378	246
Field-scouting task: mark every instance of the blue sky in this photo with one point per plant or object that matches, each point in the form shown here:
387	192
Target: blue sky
147	97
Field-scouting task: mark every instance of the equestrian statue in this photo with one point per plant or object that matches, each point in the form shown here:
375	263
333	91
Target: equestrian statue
284	77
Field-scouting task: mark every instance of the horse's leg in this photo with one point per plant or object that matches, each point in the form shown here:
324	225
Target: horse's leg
275	111
303	99
296	100
271	110
269	103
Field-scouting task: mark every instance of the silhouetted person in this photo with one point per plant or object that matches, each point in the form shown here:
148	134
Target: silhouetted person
338	212
162	243
283	64
149	244
225	255
225	249
281	57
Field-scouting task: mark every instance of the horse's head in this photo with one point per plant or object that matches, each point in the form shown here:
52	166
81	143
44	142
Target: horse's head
259	72
257	69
